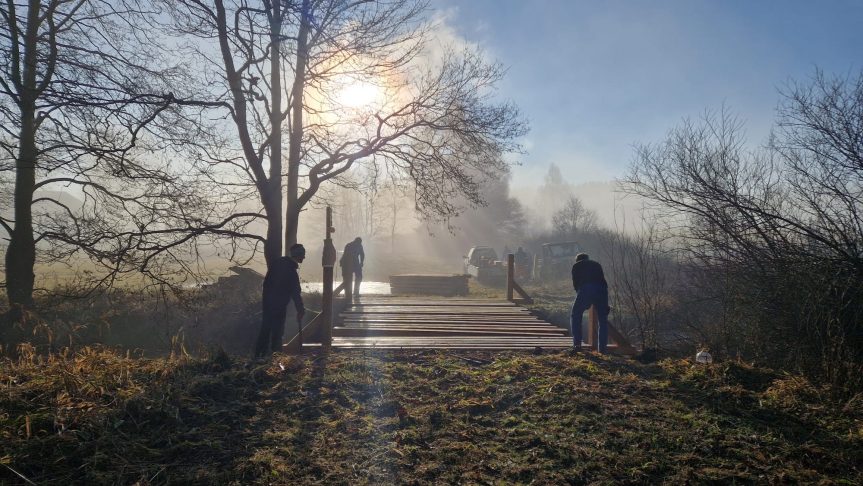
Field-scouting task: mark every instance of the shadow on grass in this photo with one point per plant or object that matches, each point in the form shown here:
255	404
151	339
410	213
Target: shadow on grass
427	417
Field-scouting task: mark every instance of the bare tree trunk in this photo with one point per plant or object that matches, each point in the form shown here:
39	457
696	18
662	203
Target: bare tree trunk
292	216
273	247
21	253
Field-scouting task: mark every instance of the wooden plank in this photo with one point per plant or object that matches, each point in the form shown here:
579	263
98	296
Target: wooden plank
451	340
378	343
429	298
490	347
431	310
453	322
364	304
488	327
407	316
442	284
435	308
407	305
438	315
479	340
514	324
500	343
420	332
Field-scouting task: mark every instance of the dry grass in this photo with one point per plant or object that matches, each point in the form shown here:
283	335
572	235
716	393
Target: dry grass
100	417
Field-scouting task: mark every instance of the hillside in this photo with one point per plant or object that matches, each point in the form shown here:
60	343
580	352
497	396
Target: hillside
97	417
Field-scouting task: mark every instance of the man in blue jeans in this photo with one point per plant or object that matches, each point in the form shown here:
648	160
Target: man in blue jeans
591	289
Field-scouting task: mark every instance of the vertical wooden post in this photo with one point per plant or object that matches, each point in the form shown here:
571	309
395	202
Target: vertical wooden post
510	275
328	260
592	326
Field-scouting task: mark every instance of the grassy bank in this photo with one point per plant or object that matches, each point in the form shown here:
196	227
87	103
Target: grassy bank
100	417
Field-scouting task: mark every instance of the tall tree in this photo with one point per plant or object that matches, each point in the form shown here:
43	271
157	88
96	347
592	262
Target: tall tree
74	111
351	84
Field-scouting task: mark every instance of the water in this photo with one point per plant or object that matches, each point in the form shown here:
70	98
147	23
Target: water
366	288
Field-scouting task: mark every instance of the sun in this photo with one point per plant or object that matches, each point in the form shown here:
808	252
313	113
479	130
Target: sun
360	94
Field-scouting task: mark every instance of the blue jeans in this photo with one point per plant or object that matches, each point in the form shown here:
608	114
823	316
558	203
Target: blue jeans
590	294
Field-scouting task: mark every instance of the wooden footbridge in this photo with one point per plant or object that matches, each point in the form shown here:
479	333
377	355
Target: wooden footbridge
444	323
429	322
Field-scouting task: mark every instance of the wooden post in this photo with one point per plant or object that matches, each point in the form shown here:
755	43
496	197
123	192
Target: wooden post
510	275
328	260
592	327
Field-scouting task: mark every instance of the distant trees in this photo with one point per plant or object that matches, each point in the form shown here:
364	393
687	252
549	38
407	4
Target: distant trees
572	218
268	70
779	228
499	221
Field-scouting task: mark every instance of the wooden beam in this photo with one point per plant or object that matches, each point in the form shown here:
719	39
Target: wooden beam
510	275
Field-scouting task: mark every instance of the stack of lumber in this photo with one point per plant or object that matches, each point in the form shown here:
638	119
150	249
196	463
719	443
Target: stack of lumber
429	284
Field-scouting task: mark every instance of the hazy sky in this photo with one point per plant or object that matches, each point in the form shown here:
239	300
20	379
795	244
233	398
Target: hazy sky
595	77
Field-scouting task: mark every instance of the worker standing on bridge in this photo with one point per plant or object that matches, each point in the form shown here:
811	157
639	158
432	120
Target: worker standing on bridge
591	289
352	267
281	286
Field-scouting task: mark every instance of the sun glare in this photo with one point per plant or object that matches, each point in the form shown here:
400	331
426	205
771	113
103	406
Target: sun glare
360	94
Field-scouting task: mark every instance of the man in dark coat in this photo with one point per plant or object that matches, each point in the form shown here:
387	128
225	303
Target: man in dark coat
591	289
352	267
281	286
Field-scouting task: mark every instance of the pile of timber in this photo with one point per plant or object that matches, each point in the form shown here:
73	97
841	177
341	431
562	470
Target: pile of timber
429	284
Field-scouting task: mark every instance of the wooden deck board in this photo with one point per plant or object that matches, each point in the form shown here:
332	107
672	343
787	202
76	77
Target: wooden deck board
419	317
441	301
384	322
440	312
416	332
459	342
452	324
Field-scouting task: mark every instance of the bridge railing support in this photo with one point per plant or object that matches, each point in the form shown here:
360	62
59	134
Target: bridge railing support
322	324
512	286
328	261
614	336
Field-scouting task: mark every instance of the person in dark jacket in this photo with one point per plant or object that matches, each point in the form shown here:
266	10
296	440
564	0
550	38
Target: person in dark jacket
352	267
591	289
281	286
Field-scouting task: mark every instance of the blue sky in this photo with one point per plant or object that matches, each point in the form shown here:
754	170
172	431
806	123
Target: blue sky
596	77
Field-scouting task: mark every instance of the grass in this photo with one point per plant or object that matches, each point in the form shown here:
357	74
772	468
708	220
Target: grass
102	417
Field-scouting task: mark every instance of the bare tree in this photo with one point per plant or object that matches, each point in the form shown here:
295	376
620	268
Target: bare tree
286	67
573	218
640	278
784	223
78	97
